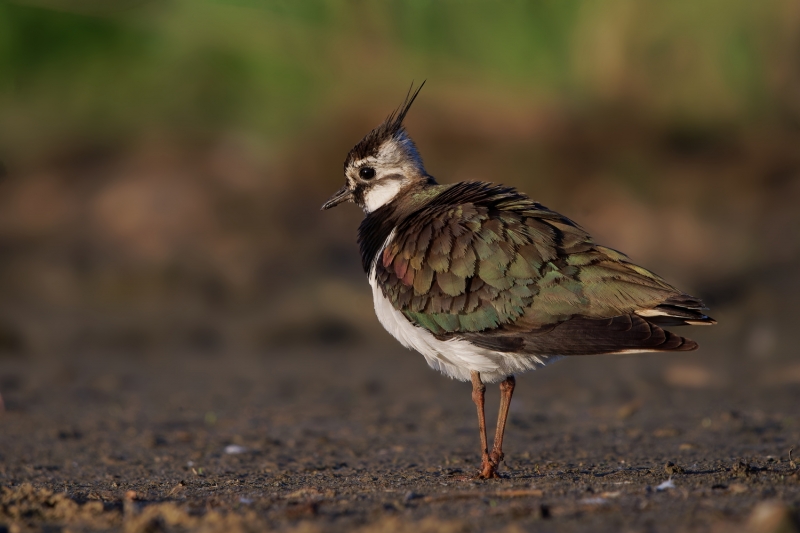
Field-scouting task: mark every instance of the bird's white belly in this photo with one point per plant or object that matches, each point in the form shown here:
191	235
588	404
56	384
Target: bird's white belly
454	357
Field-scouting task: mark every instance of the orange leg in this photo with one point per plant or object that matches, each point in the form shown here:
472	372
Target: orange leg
506	391
478	392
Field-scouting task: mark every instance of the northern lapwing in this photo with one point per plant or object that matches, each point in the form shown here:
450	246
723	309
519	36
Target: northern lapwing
486	283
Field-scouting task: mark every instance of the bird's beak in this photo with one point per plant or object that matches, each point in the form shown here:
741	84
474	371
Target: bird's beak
342	195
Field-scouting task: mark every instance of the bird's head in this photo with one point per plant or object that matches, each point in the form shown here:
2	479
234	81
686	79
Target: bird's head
383	164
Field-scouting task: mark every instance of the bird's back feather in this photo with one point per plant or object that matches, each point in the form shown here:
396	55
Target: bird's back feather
485	263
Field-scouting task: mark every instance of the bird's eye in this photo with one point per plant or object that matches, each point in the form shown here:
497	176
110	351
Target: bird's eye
366	173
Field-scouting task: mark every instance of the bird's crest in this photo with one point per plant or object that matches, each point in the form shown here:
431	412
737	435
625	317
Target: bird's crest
389	128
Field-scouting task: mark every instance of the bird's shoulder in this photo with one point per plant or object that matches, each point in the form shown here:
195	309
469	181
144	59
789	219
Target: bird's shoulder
476	256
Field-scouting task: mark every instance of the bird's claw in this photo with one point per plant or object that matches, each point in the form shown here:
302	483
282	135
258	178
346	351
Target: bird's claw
488	470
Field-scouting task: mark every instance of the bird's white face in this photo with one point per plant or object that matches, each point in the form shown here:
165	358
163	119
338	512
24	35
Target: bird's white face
377	180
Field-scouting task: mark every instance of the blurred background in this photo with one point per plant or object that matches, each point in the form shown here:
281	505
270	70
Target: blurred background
163	163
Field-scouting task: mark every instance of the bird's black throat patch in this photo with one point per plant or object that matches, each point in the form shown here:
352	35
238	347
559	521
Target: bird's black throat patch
373	232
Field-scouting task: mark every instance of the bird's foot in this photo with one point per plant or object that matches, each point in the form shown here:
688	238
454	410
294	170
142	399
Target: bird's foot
488	470
496	457
489	465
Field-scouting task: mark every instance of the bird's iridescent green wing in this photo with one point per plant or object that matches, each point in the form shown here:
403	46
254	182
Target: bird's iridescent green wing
480	257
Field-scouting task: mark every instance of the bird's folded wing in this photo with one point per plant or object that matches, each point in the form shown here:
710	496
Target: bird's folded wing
585	336
480	257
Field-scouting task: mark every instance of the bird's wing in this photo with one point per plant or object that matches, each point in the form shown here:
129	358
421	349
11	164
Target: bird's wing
480	257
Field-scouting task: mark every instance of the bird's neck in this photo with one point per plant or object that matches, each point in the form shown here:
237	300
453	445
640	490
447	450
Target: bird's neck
377	225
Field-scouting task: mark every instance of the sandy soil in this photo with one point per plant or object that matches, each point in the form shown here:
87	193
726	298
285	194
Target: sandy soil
372	440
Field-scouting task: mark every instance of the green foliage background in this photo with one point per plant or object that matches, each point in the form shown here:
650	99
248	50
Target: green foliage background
121	68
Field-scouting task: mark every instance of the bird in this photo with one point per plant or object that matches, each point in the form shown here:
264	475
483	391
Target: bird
487	283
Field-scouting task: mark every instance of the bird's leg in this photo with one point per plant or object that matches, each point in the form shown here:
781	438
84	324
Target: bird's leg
506	391
478	391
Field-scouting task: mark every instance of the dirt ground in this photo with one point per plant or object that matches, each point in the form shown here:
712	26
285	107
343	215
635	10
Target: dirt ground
357	439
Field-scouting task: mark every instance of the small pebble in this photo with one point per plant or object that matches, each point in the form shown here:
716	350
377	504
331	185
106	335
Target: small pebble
233	449
411	496
668	484
671	468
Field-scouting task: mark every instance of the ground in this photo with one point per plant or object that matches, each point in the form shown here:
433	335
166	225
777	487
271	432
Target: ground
350	438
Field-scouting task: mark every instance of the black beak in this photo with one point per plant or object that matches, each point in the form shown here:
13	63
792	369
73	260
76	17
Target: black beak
342	195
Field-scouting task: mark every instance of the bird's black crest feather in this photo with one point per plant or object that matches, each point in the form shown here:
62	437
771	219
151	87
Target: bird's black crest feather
390	127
